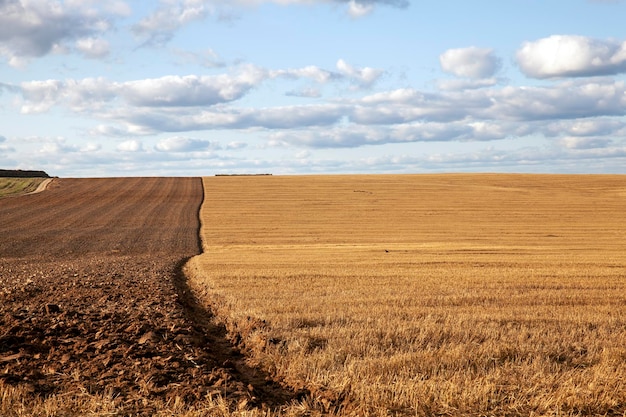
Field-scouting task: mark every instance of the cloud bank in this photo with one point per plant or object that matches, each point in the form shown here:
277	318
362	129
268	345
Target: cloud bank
560	56
211	113
161	25
470	62
34	28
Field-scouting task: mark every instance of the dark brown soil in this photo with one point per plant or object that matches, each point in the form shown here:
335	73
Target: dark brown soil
92	297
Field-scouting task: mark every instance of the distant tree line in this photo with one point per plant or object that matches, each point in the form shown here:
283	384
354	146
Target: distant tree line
18	173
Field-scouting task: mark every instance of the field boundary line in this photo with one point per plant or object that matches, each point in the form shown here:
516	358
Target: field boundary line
203	244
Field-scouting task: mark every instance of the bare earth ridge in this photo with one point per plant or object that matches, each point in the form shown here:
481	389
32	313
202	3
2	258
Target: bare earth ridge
42	186
92	297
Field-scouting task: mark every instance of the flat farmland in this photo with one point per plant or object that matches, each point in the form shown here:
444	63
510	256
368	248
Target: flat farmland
471	294
361	295
95	315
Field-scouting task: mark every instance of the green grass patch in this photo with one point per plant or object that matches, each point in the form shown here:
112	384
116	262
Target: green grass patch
15	186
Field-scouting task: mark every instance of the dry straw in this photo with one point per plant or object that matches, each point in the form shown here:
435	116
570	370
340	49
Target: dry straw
425	294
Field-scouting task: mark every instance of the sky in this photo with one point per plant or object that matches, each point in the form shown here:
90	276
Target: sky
201	87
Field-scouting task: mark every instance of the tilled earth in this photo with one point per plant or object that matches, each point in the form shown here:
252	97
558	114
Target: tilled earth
93	300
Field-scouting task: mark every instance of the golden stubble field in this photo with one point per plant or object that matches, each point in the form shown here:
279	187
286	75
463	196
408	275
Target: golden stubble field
469	294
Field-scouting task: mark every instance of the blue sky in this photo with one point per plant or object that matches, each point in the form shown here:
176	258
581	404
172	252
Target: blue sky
199	87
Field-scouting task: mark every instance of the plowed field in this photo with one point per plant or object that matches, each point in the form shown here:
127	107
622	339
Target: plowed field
93	301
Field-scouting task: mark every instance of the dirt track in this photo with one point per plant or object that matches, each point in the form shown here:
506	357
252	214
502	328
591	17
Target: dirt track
92	298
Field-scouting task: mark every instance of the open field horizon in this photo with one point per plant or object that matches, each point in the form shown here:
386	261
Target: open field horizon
429	294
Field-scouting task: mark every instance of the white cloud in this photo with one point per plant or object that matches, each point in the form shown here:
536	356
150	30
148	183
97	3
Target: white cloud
407	105
130	146
352	135
356	135
305	92
523	159
116	7
107	130
40	96
550	158
207	58
174	91
562	111
161	25
567	100
392	3
182	144
585	143
91	147
470	62
94	93
335	137
179	104
563	101
79	95
236	145
496	130
34	28
575	120
312	72
357	10
401	95
363	77
58	146
303	154
93	48
191	90
571	56
466	84
283	117
587	127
